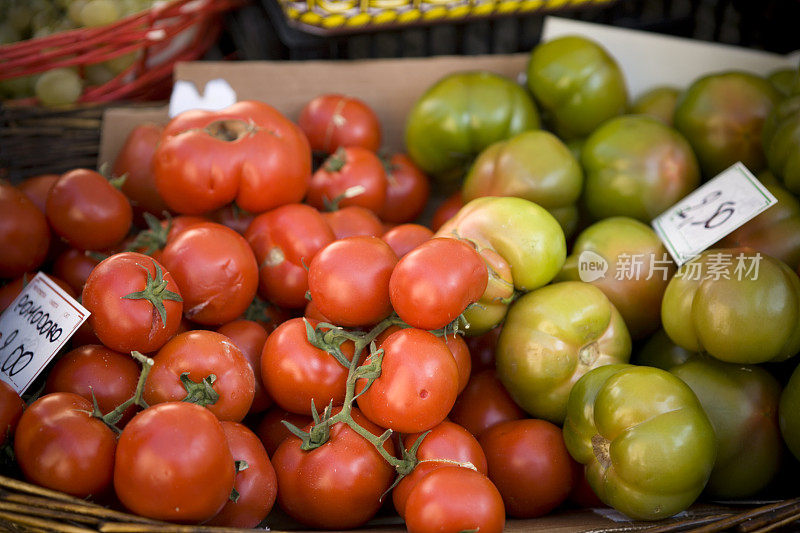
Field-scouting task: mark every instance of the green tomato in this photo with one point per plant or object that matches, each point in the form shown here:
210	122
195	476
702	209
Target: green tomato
789	413
461	115
646	443
636	167
658	102
534	165
634	269
783	80
577	83
721	115
522	244
781	139
659	351
737	305
551	337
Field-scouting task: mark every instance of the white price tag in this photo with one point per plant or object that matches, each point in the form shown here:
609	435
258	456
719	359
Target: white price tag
36	325
711	212
218	94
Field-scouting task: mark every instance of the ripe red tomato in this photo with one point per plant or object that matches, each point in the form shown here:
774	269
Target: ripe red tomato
295	372
406	237
483	403
407	192
249	336
201	353
417	386
338	485
256	485
446	210
482	349
284	241
454	498
458	347
24	234
234	217
88	211
333	120
194	481
349	280
36	188
11	407
215	270
248	153
350	176
433	284
352	221
135	162
59	445
271	430
132	307
95	370
74	266
529	464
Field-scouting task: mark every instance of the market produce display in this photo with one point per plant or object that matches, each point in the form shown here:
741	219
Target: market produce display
287	320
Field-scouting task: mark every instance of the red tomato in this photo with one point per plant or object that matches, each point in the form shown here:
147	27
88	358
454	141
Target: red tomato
333	120
482	348
216	271
350	176
352	221
248	153
483	403
11	407
256	485
59	445
338	485
458	347
74	266
349	280
36	188
249	336
446	210
312	313
134	303
87	211
452	499
234	217
284	241
201	353
401	491
268	315
186	445
135	162
433	284
24	234
95	370
271	430
406	237
295	372
529	464
417	386
407	192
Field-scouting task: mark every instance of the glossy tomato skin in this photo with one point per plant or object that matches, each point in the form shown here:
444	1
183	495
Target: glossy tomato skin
135	161
417	386
202	353
95	370
405	237
24	233
352	221
407	192
458	347
781	141
256	484
59	445
74	266
271	430
434	283
529	464
285	240
349	280
249	336
452	499
11	407
125	324
350	176
248	153
36	188
333	120
87	211
215	270
483	403
447	210
194	482
335	486
295	372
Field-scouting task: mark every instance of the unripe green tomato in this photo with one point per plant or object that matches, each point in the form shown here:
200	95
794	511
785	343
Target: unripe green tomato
636	167
781	139
550	338
577	84
659	351
658	102
646	443
783	80
789	413
721	115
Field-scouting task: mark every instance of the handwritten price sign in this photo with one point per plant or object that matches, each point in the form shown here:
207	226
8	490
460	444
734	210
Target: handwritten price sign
711	212
34	328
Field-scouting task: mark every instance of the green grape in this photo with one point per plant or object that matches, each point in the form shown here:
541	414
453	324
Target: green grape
99	13
21	87
57	87
19	17
120	63
98	74
74	11
8	34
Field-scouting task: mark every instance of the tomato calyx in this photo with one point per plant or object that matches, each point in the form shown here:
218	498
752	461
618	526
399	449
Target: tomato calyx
154	238
336	161
155	292
201	393
116	181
